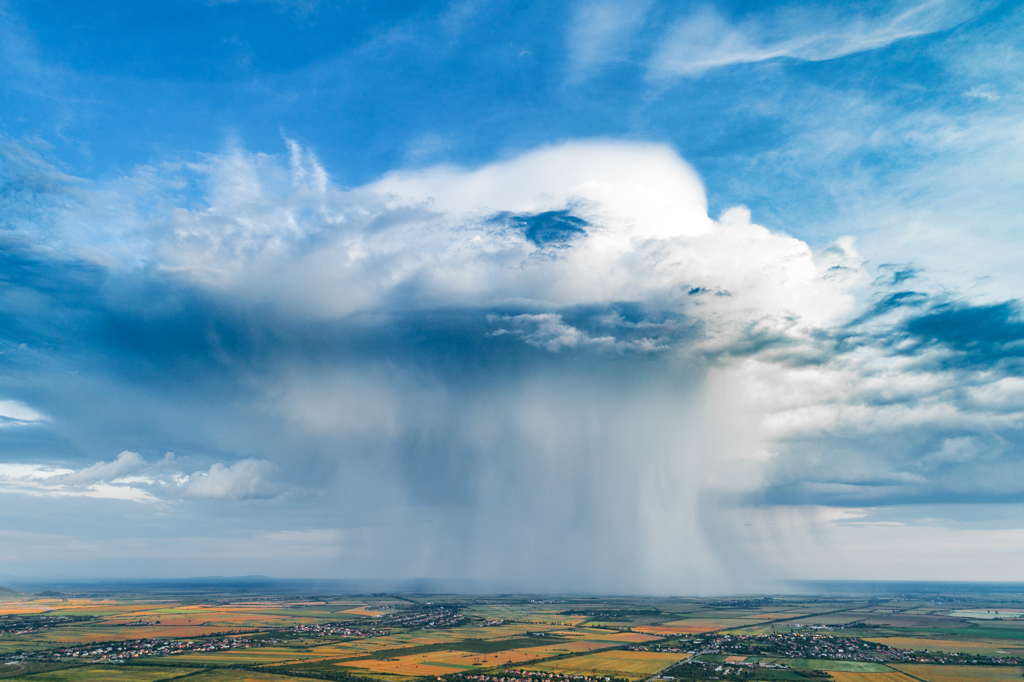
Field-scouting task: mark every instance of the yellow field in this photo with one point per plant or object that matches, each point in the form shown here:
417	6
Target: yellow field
951	645
445	662
870	677
364	611
34	606
631	664
406	669
962	673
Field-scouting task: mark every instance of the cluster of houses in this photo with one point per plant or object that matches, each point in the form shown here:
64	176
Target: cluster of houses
828	647
337	630
115	652
17	624
436	617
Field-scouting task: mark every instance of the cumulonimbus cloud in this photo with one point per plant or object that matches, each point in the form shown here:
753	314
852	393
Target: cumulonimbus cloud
560	345
452	237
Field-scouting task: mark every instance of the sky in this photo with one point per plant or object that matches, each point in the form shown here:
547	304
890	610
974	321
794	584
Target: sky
622	297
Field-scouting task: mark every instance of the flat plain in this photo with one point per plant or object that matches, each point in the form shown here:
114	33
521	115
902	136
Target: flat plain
210	636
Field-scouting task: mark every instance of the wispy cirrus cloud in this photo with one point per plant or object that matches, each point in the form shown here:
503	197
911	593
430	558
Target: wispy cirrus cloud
603	32
707	40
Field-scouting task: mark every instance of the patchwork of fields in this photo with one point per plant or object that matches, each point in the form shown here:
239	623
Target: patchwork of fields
402	638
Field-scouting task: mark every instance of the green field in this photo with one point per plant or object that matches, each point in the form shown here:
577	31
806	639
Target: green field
109	673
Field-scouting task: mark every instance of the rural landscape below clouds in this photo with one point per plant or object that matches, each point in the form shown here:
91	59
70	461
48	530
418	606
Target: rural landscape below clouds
510	341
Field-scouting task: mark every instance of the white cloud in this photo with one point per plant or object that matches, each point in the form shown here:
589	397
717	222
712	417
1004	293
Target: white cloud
283	234
15	412
436	238
130	477
550	332
30	471
102	480
245	479
706	40
126	463
985	92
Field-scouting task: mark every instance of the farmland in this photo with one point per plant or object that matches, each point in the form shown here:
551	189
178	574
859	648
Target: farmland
979	646
871	677
210	636
628	664
942	673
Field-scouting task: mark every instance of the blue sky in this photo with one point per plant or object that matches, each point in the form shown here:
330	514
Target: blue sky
622	296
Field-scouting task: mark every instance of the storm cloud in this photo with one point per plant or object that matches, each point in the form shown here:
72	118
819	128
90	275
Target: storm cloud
554	371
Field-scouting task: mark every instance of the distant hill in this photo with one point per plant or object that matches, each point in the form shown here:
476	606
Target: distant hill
8	593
